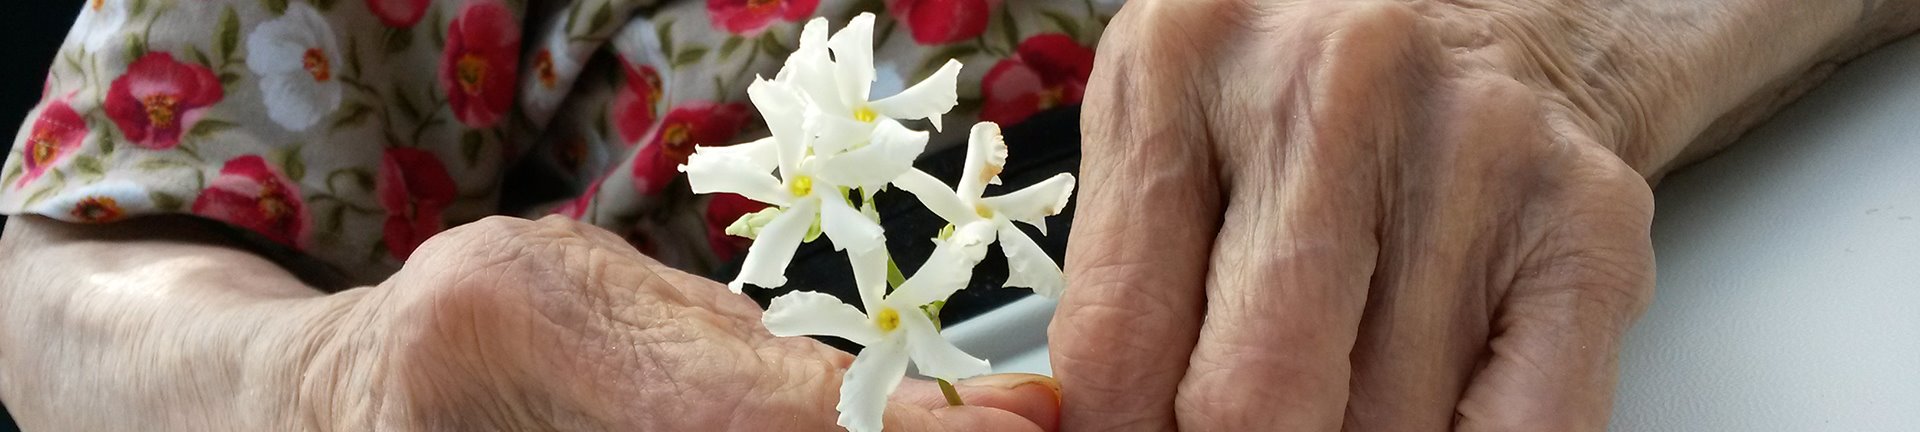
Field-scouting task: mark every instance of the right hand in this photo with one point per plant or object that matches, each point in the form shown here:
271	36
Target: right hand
501	324
1398	215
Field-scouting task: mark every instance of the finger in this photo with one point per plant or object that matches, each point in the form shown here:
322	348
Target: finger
902	417
1136	262
1296	253
1448	243
1555	352
1033	397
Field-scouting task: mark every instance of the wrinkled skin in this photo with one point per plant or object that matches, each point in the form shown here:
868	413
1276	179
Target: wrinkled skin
1296	215
1411	215
501	324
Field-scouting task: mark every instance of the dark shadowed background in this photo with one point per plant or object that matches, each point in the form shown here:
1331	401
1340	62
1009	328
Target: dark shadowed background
34	29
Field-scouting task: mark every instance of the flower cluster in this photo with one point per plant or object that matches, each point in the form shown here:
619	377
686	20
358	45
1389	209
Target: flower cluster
831	143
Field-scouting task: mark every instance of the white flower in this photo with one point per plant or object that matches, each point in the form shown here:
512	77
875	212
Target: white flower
551	70
894	330
839	85
809	186
1027	265
298	61
100	23
639	43
107	201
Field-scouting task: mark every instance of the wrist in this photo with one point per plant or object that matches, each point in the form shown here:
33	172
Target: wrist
204	335
1662	83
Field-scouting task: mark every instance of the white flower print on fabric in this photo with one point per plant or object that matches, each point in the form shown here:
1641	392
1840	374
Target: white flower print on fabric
106	201
297	59
102	20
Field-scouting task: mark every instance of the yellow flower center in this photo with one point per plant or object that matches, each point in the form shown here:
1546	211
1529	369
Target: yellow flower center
543	69
888	319
677	134
160	108
1052	97
982	210
472	72
762	5
800	186
678	141
316	63
43	146
865	115
273	204
97	209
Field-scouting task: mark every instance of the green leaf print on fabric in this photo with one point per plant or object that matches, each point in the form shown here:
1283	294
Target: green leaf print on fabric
227	38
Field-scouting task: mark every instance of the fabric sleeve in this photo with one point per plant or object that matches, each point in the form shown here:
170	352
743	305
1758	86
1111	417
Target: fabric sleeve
347	130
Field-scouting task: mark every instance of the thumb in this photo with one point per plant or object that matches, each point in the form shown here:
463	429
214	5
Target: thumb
1000	402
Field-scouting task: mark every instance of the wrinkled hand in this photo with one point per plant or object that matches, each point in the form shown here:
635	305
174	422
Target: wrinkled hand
1313	216
502	324
512	325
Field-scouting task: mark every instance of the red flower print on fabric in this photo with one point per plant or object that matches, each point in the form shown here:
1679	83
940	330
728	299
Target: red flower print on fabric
398	13
637	106
1046	71
250	194
749	17
696	123
722	211
54	136
158	99
414	188
97	209
936	22
479	68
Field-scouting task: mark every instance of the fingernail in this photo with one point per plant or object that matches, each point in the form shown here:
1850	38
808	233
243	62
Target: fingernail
1010	381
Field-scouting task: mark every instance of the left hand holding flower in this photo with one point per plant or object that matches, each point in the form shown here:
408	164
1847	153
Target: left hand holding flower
502	324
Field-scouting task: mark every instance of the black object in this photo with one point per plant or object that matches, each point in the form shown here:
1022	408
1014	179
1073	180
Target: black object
1044	145
34	32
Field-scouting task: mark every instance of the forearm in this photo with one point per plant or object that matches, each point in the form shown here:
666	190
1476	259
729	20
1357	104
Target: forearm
1664	82
150	325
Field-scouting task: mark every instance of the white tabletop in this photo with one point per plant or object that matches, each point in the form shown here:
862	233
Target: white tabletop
1789	286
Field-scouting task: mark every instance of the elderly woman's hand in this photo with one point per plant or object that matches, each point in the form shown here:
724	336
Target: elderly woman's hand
497	325
1374	215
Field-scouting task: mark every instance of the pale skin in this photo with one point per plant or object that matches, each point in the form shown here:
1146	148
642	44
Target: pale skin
1367	215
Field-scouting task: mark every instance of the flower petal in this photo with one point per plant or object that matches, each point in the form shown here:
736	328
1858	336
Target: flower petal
853	59
1029	266
741	171
948	269
782	106
810	68
892	152
850	230
1032	205
986	157
929	99
759	155
933	354
870	275
807	313
875	373
767	259
936	196
836	133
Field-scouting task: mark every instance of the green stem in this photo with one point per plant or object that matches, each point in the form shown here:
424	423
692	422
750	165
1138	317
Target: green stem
953	396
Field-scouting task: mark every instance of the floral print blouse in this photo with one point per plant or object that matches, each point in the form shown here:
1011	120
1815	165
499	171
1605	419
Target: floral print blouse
353	130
